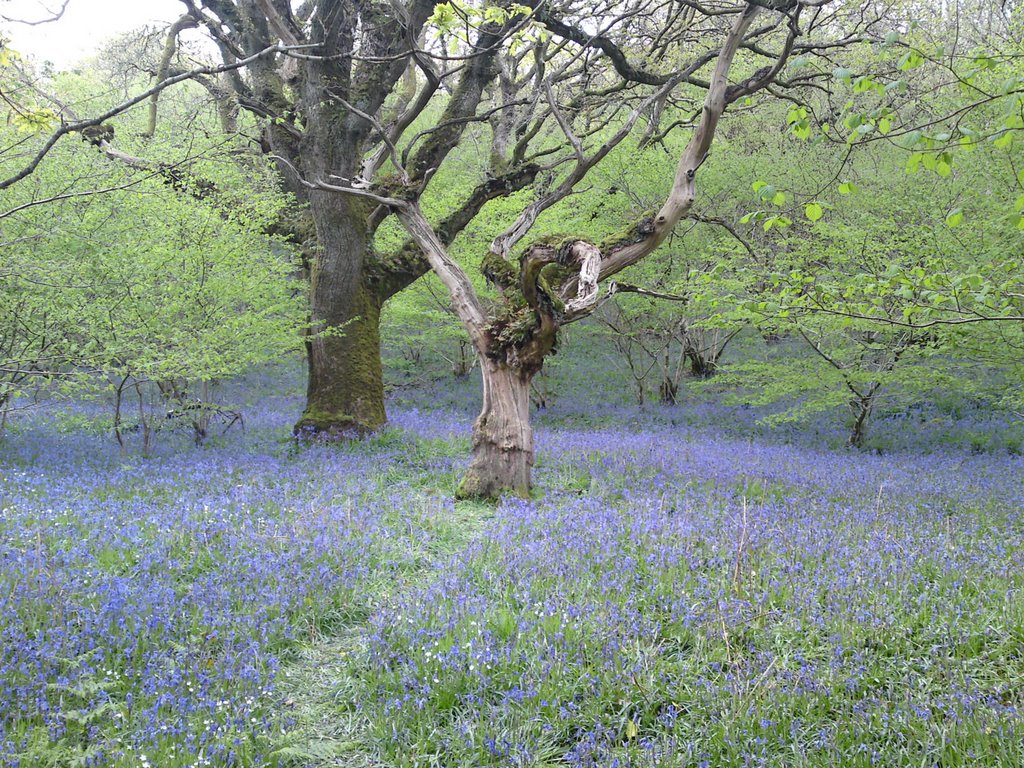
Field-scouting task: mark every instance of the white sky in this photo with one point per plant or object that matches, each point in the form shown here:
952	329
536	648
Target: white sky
85	25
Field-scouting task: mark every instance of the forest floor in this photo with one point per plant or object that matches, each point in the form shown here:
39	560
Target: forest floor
675	593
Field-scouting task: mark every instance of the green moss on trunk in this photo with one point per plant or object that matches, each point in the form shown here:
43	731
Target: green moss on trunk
346	390
636	232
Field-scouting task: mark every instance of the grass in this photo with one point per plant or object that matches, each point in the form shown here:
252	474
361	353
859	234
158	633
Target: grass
322	685
670	596
857	613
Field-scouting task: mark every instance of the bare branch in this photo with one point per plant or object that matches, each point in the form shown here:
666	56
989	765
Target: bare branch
54	16
124	106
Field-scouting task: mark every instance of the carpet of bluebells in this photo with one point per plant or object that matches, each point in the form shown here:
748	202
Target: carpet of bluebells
676	594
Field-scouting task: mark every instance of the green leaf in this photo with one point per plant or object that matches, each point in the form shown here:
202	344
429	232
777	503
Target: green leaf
34	119
443	17
495	14
1010	84
8	55
910	60
777	221
911	139
802	130
865	83
955	218
813	211
796	114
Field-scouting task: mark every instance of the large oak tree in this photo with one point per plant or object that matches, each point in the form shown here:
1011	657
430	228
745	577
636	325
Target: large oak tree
352	79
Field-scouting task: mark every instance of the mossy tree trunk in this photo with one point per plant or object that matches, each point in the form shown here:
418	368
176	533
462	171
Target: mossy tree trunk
502	435
345	391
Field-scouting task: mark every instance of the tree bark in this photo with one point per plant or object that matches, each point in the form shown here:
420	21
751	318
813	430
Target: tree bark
862	406
701	367
502	436
858	430
345	392
669	391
